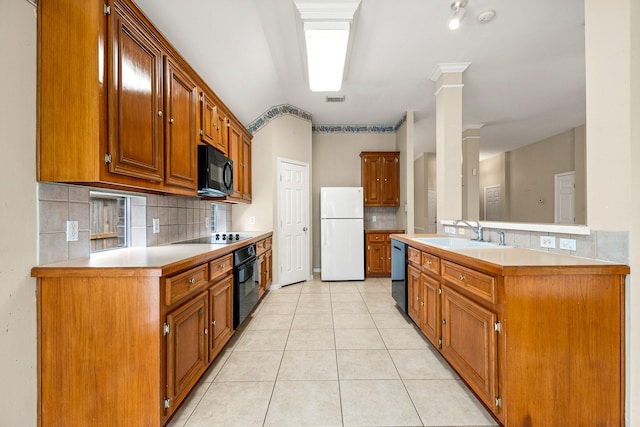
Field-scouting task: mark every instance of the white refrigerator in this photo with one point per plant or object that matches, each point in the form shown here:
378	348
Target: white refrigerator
341	233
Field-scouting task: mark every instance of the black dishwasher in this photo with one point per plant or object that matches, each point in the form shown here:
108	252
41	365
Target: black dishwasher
399	273
245	283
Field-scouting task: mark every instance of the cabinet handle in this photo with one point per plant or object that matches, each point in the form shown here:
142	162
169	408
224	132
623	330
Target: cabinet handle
429	262
417	298
213	323
461	277
206	331
170	121
159	113
422	303
444	322
192	281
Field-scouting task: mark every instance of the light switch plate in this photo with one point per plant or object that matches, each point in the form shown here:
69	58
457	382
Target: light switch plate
547	242
156	225
568	244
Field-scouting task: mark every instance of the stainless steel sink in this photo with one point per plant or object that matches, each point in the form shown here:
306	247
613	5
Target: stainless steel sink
456	243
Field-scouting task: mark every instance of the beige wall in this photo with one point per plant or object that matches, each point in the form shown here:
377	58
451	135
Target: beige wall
494	171
420	170
532	177
336	157
18	227
404	144
286	137
527	174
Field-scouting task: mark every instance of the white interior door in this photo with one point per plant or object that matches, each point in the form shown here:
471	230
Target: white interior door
565	198
293	221
492	202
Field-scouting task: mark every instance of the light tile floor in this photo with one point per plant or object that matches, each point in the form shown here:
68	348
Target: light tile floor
330	354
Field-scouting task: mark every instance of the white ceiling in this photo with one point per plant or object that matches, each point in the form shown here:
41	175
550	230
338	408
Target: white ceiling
526	80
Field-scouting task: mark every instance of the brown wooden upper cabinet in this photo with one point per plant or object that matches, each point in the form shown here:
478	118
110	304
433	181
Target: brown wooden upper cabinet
240	153
117	104
180	148
381	178
213	123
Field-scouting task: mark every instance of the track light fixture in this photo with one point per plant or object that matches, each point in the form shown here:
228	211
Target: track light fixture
460	9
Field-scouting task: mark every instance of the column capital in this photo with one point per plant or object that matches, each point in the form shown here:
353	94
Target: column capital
451	67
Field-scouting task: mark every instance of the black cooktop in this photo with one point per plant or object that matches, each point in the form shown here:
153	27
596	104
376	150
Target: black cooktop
216	239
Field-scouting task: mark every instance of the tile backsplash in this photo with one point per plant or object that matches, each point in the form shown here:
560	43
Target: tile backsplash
612	246
180	218
385	218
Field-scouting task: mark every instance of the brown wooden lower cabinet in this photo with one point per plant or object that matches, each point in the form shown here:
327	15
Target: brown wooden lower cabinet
187	354
265	256
125	346
378	252
539	345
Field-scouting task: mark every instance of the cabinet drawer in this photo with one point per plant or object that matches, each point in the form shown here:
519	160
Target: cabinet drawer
261	247
431	263
376	238
181	285
477	283
413	255
220	266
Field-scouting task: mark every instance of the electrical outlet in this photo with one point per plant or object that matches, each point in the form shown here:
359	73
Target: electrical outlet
72	231
252	220
207	223
547	242
450	230
373	218
460	230
568	244
156	225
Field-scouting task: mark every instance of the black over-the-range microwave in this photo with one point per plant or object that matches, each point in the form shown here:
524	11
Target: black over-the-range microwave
215	173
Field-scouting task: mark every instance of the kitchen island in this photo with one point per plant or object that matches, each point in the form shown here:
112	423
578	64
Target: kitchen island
123	336
538	337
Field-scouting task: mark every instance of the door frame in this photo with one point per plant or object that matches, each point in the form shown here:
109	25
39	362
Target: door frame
280	238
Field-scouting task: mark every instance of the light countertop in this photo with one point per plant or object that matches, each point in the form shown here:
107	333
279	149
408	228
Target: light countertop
154	260
505	258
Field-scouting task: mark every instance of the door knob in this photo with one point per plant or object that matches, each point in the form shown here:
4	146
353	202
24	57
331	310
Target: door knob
304	229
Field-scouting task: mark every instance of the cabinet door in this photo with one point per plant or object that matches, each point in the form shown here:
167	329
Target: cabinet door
469	343
370	179
390	180
376	256
430	305
413	294
135	100
180	131
262	278
186	347
236	151
222	130
209	121
246	169
220	314
268	263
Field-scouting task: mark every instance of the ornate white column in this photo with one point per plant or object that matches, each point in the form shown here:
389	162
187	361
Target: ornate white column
448	79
